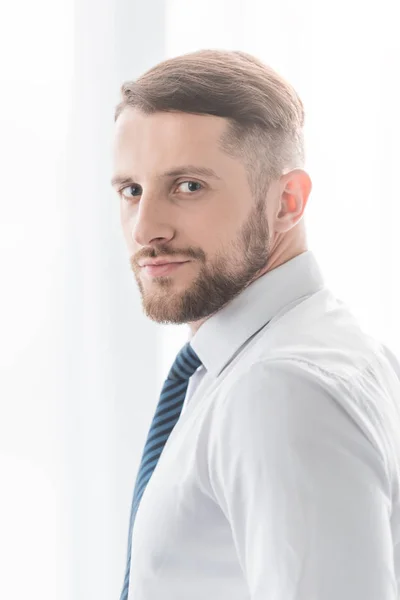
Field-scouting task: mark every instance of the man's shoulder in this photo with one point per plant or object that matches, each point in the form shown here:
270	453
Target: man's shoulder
319	337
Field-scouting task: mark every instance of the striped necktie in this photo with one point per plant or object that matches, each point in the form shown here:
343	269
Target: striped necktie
166	416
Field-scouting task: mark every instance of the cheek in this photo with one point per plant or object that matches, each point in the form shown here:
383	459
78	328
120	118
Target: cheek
225	222
126	228
125	218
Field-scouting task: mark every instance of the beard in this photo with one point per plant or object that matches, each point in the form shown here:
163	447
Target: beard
233	268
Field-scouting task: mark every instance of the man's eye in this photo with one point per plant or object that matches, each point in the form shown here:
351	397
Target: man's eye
136	191
191	186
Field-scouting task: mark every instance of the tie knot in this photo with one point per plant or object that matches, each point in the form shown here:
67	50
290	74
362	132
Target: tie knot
186	363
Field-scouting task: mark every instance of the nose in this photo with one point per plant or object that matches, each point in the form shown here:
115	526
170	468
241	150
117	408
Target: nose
151	223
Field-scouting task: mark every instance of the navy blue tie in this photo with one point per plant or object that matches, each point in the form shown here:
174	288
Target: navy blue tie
166	416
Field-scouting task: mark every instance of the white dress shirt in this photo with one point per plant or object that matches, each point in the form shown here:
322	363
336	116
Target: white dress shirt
280	480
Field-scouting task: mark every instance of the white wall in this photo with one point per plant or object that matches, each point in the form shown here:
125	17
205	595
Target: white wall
78	359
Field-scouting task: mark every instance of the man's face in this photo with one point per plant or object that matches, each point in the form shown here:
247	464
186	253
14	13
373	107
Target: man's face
212	222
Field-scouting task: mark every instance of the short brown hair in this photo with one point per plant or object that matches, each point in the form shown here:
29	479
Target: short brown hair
265	114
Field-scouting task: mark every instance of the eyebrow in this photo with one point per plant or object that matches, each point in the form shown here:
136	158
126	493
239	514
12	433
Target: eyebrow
177	171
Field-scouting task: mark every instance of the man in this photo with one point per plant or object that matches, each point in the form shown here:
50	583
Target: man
271	468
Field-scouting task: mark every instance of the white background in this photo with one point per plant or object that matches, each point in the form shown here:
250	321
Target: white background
81	368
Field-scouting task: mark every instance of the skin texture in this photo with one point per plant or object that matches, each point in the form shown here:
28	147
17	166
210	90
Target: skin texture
229	237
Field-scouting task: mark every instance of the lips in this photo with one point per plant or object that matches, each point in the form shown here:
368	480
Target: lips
160	263
165	269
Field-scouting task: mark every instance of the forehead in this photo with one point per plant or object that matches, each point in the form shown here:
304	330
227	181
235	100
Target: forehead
161	139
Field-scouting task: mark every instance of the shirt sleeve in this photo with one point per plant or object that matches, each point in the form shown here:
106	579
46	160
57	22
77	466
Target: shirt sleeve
303	488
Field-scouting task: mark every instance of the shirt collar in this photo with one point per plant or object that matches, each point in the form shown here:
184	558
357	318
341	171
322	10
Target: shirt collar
266	298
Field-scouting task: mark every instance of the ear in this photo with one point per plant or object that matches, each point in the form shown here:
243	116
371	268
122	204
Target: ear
295	189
